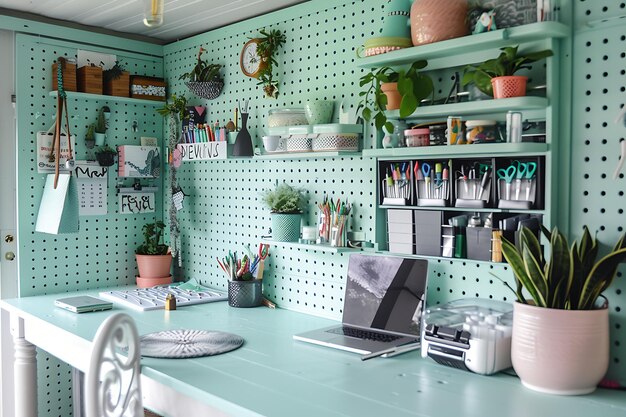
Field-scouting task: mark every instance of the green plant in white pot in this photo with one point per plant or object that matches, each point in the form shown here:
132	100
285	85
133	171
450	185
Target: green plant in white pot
561	334
286	204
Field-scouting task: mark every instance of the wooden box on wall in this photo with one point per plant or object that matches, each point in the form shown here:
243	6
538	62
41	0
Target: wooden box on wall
90	80
69	77
148	88
119	87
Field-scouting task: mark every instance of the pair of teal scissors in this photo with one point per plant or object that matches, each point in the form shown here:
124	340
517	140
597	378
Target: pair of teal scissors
518	171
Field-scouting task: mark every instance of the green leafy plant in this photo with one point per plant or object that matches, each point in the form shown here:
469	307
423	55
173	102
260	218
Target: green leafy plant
506	64
152	234
571	279
203	71
114	72
106	149
101	124
269	43
284	199
412	86
176	105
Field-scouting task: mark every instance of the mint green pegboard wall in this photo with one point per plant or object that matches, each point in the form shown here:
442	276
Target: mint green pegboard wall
102	253
599	94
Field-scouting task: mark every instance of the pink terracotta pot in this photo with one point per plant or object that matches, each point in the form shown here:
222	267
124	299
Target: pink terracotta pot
154	266
509	86
393	95
438	20
151	282
563	352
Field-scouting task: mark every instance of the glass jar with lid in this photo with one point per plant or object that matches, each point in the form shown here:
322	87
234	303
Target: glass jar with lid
286	117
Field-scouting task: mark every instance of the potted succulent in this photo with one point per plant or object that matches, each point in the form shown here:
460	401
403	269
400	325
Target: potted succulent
154	259
90	139
560	339
387	89
116	81
100	128
496	77
204	80
286	204
105	155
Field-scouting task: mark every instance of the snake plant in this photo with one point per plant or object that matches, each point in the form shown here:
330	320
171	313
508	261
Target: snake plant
571	279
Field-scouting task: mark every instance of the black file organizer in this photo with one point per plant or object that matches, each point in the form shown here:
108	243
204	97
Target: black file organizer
401	193
523	193
433	191
473	185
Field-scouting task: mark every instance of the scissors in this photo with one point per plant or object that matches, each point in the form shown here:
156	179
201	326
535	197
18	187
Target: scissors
525	170
426	171
507	175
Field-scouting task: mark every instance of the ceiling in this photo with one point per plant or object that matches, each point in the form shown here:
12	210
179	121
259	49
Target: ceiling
182	18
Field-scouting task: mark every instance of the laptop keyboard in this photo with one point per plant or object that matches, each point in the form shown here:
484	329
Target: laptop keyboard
364	334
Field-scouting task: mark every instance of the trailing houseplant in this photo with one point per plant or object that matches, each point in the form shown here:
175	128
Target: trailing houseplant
410	86
105	155
561	334
205	79
499	73
153	258
286	204
269	43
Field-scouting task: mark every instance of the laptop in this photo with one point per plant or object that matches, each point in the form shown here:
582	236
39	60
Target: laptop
383	305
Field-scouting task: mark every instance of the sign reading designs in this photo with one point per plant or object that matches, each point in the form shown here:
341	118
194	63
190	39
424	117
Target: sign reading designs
202	151
136	202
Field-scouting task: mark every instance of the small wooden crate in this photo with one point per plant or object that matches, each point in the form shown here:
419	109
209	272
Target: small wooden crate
148	88
69	77
119	87
90	80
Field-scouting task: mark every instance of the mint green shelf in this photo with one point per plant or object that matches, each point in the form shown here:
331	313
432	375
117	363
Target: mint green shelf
456	151
467	44
464	209
302	155
88	96
474	108
451	260
319	248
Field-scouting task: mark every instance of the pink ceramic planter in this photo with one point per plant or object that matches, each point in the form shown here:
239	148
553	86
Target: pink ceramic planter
438	20
154	266
151	282
563	352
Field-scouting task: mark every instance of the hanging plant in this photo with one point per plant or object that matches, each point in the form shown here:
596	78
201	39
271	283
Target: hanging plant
204	79
268	45
175	105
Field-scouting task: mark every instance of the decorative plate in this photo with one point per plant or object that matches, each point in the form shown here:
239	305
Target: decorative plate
185	343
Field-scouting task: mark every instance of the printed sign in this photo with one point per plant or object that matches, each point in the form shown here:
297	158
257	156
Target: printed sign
45	155
135	203
203	151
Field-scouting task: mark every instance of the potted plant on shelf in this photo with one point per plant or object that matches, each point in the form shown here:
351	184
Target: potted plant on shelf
204	79
387	89
90	139
154	259
286	204
105	155
116	81
496	77
100	128
560	339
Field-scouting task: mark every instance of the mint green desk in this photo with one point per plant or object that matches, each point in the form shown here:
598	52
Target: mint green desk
275	376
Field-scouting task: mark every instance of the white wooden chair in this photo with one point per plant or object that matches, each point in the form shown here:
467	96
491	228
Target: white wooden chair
112	383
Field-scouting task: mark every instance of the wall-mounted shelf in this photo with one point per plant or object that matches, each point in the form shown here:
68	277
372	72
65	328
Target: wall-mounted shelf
462	209
475	108
468	44
88	96
445	259
307	155
319	248
459	151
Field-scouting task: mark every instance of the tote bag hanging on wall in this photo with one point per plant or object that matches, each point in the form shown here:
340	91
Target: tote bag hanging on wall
58	212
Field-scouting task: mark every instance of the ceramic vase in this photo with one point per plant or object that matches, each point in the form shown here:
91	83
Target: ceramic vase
437	20
318	112
243	143
286	227
563	352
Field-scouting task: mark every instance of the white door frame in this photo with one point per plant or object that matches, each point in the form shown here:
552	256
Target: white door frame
8	220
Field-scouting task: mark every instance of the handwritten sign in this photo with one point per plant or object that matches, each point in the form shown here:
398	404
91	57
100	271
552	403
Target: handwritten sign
203	151
135	203
91	179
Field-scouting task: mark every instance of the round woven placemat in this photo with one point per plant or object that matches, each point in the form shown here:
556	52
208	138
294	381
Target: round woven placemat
178	344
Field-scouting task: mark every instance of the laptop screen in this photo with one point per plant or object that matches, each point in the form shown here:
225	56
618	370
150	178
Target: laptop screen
385	292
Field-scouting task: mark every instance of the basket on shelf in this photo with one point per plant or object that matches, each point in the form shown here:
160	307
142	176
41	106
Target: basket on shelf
206	89
336	142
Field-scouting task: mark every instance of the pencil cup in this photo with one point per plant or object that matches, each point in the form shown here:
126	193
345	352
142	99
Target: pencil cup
245	293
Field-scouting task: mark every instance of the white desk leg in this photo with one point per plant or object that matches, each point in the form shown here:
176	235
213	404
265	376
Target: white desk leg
25	371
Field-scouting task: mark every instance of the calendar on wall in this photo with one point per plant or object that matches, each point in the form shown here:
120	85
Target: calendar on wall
92	188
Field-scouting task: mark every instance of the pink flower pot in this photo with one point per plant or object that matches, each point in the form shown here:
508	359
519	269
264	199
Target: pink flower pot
393	95
151	282
510	86
563	352
154	266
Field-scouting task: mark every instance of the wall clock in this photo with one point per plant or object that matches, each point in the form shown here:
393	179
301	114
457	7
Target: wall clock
251	63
